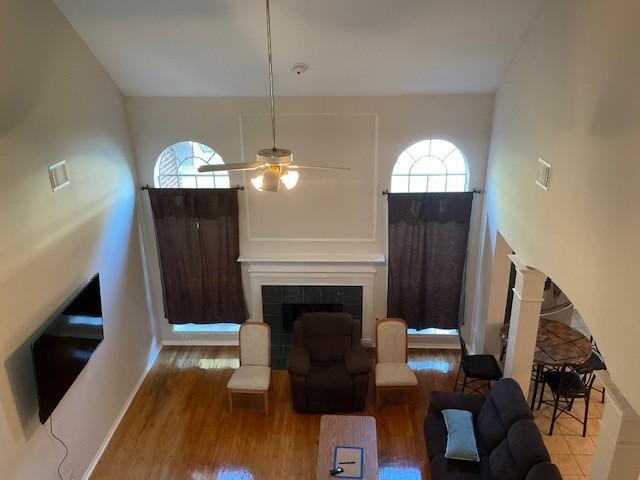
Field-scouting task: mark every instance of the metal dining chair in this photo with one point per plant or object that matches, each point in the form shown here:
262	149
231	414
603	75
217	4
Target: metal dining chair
593	364
482	367
567	385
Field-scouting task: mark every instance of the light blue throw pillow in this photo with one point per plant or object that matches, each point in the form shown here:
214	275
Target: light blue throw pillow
461	440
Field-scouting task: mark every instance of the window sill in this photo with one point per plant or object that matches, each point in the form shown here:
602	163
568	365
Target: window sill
433	331
206	328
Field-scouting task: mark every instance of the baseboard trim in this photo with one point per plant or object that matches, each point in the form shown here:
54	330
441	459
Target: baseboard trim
151	360
220	342
436	342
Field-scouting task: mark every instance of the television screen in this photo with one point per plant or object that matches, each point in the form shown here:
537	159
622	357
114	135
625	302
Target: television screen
63	349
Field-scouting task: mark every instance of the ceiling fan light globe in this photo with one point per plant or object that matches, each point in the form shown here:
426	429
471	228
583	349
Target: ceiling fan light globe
257	182
290	179
271	180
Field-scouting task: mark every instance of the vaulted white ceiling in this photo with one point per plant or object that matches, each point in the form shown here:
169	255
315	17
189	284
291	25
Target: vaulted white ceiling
352	47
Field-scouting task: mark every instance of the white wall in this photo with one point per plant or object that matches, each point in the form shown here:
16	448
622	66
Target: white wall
571	97
329	212
57	103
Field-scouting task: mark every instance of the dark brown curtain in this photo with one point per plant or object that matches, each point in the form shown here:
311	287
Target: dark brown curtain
198	245
428	235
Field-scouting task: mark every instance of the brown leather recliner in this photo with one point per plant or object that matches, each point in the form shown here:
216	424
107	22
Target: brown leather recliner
328	367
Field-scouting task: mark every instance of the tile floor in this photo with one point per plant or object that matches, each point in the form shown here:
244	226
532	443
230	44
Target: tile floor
569	450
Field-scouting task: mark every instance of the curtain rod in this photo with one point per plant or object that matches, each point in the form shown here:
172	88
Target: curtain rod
235	187
475	190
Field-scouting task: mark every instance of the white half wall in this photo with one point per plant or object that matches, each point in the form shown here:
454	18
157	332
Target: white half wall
571	97
328	213
59	104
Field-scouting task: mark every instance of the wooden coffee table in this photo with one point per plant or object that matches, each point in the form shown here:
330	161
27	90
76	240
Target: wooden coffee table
347	430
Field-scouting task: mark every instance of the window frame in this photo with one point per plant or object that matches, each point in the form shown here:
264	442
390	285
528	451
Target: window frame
415	160
222	176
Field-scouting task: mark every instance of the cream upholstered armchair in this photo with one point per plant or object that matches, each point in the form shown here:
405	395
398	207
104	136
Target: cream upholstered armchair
254	374
392	371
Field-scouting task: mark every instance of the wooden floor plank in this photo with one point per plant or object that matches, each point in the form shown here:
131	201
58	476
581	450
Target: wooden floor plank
179	425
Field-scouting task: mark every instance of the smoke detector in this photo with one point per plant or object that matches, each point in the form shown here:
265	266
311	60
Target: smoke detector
299	68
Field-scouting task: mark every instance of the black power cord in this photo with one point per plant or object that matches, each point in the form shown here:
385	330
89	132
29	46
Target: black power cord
66	449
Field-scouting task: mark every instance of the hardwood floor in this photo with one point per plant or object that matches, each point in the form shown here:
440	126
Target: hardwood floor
179	425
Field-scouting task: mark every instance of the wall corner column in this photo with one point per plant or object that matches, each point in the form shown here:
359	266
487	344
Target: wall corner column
617	455
525	318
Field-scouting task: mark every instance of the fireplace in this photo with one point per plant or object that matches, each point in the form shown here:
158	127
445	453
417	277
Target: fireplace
348	280
283	304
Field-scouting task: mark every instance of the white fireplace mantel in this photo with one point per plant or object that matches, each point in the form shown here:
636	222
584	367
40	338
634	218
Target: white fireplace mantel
313	258
316	270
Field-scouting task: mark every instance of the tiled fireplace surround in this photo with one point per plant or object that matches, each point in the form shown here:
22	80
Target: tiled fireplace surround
281	304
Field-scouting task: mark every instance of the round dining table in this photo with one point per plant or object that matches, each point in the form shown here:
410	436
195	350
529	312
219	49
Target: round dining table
557	344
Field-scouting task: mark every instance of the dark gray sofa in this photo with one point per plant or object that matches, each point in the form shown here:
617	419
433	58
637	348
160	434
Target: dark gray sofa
509	443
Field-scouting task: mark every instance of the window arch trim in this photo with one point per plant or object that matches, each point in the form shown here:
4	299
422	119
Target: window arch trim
424	181
173	170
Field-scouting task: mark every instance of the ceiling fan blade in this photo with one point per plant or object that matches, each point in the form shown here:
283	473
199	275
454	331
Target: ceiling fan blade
230	166
315	167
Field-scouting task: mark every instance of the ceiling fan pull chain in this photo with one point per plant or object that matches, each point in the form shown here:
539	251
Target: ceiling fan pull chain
272	102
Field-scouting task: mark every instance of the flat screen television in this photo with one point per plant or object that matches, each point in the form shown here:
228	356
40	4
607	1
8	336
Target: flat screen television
65	345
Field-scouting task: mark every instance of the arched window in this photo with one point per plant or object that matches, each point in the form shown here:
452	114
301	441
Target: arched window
177	167
430	166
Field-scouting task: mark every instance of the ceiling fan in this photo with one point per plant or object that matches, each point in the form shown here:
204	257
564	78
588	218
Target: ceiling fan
274	166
